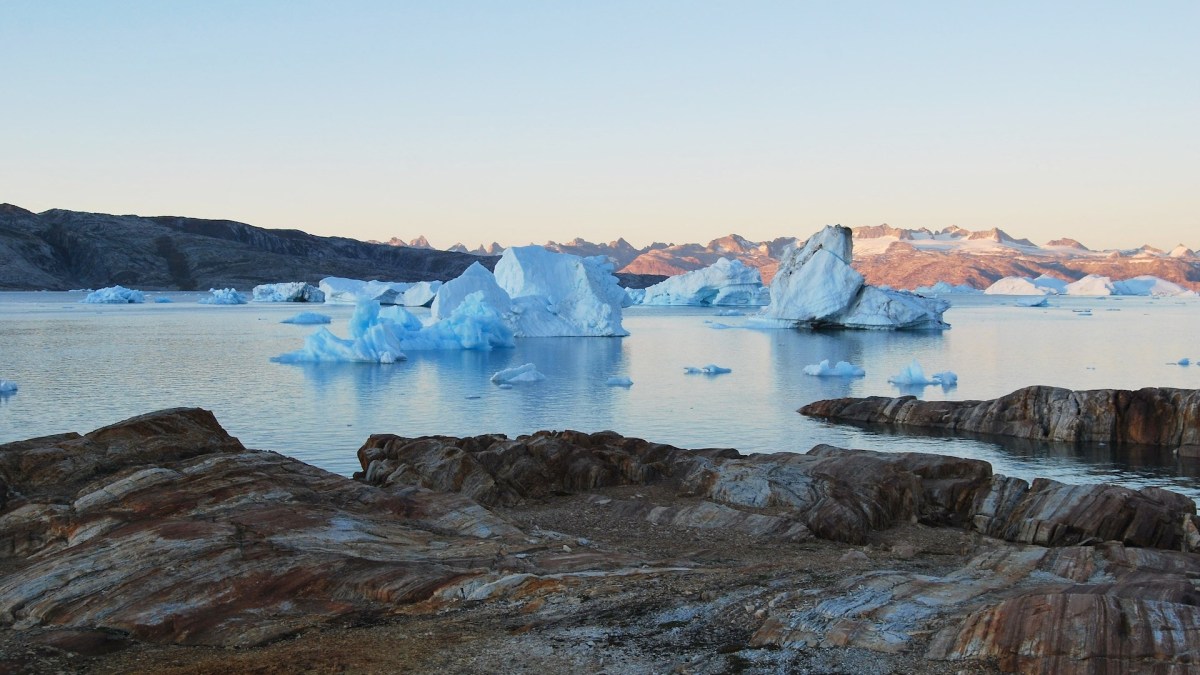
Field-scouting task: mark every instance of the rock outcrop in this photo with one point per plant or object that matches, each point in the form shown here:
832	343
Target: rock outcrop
565	551
1151	416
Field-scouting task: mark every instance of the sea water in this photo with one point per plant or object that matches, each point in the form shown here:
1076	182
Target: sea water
84	366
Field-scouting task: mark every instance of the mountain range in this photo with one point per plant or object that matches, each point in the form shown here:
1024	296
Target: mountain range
60	249
908	258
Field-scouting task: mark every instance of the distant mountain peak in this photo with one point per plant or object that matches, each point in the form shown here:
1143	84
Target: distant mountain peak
1067	242
14	210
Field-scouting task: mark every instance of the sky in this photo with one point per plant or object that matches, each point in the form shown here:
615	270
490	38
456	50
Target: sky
656	121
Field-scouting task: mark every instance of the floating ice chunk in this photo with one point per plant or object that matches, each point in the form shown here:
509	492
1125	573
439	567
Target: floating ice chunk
710	369
914	376
162	301
725	282
7	386
308	319
1032	301
224	296
421	294
524	373
353	291
476	279
114	295
1017	286
1184	361
619	382
559	294
881	308
841	369
1147	284
293	291
472	325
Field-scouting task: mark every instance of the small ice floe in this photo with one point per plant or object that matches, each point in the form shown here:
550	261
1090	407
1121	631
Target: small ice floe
163	301
525	373
914	376
619	382
840	369
308	319
224	296
114	295
1185	361
7	387
1032	301
710	369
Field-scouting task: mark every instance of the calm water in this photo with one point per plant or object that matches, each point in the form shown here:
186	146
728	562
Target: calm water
84	366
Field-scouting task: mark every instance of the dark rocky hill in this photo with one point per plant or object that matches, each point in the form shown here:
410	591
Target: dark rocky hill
61	250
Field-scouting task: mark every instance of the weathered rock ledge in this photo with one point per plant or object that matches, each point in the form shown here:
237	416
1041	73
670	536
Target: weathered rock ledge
159	543
1151	416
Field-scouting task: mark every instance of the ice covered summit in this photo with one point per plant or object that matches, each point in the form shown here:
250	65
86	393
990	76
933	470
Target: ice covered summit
816	287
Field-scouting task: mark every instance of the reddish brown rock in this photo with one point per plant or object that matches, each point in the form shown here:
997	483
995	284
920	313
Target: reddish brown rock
1151	416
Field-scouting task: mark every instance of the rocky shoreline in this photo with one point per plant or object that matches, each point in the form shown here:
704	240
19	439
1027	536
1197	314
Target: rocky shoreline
162	544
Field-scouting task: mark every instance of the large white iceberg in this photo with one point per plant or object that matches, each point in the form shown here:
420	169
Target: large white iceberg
1092	284
383	334
476	279
560	294
292	291
353	291
815	286
1147	284
1017	286
421	294
223	296
114	295
725	282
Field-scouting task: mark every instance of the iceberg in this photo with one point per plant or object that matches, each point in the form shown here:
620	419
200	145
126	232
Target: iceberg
421	294
1017	286
914	376
1053	284
7	387
634	296
816	287
1150	285
114	295
841	369
1092	285
353	291
382	334
725	282
619	382
308	319
525	373
294	291
945	288
163	301
560	294
710	369
476	279
223	296
1185	361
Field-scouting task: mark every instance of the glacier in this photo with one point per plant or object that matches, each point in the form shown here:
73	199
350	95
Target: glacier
114	295
816	287
223	296
291	291
725	282
382	334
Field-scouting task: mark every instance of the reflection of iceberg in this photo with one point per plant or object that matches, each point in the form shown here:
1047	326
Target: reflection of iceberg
223	296
816	287
381	335
308	319
725	282
114	295
292	291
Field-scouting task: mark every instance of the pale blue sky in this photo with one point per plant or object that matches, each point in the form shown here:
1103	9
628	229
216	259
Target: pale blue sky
673	121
